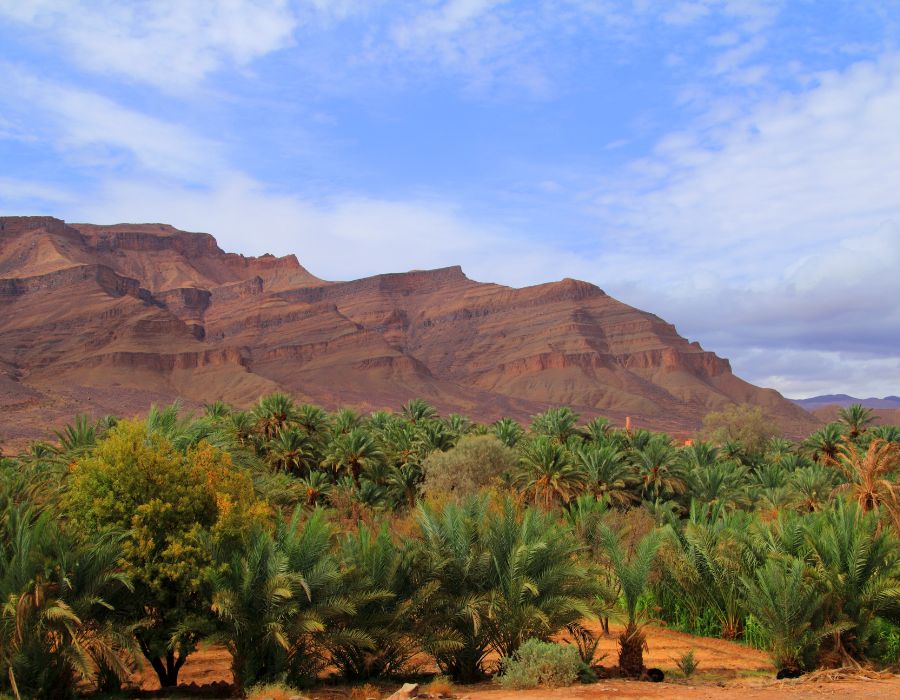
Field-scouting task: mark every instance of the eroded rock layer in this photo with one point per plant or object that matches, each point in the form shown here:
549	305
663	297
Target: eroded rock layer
107	319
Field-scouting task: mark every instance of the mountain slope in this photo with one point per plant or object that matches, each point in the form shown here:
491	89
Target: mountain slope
843	400
106	319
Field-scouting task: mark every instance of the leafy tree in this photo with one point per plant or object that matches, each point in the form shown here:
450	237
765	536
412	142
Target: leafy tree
745	424
474	463
135	481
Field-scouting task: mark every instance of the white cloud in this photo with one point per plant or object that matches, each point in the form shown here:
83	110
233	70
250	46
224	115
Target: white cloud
345	237
16	195
776	234
95	130
170	44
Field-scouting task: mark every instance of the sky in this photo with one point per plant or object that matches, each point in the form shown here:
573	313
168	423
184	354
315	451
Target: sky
732	166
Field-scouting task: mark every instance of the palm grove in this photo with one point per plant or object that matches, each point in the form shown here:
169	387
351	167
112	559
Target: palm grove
309	542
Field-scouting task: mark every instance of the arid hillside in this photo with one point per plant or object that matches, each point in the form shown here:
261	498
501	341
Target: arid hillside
107	319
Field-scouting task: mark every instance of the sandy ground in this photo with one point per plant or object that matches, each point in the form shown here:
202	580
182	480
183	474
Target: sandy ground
725	670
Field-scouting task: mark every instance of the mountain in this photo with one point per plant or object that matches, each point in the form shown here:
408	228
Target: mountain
107	319
843	400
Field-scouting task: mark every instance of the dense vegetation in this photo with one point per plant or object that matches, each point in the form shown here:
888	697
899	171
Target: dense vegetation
304	540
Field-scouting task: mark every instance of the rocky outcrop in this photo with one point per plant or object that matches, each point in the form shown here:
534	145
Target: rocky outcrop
95	315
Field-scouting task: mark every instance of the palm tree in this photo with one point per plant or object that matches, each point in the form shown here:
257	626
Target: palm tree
313	420
699	455
273	599
317	486
824	443
658	468
290	451
607	471
558	424
254	599
241	424
597	430
871	476
353	451
77	438
786	603
434	435
217	410
632	570
811	487
417	411
457	424
708	558
57	622
539	585
381	635
273	413
547	474
405	481
344	421
508	431
856	418
720	482
859	566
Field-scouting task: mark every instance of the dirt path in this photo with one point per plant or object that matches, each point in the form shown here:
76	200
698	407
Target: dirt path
726	671
759	690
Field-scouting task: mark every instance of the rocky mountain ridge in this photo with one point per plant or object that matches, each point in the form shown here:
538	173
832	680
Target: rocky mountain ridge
107	319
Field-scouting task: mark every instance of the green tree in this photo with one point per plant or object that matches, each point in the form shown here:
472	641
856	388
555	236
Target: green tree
547	474
167	502
745	424
857	419
631	567
474	463
57	620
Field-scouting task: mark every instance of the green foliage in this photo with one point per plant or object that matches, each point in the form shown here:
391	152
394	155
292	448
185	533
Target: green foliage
746	425
786	603
539	663
296	538
687	663
167	502
267	597
474	463
57	621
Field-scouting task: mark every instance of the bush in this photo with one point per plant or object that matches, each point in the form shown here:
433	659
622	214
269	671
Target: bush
687	664
273	691
541	663
475	462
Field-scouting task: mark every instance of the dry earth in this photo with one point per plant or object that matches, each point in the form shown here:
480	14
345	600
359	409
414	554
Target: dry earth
726	670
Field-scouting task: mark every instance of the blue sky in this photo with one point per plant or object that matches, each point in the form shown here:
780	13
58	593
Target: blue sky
731	165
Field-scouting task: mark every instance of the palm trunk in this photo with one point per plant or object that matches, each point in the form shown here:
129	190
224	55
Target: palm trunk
631	651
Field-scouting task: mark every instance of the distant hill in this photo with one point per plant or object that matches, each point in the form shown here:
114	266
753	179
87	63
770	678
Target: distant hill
843	400
107	319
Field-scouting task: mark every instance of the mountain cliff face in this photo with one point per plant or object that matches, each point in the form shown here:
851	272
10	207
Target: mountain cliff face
107	319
